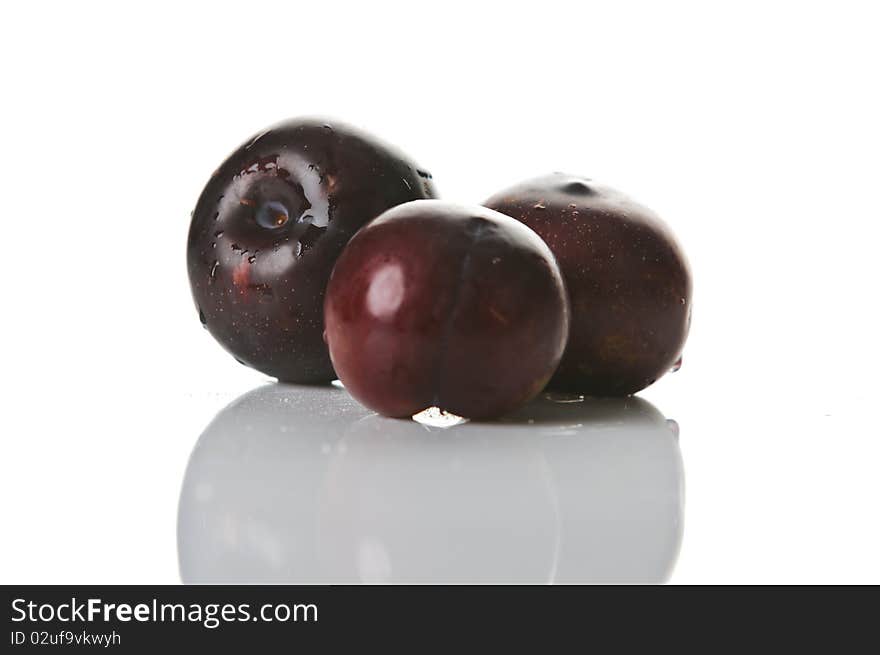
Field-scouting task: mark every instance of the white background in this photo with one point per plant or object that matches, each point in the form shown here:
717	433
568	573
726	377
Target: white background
753	128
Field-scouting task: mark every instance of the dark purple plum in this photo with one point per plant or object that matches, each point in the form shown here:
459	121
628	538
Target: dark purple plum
627	277
436	304
267	230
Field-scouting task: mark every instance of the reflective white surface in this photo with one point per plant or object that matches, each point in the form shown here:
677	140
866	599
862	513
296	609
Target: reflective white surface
763	159
301	484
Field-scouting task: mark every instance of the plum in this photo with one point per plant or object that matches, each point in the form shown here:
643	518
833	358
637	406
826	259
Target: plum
267	230
441	305
627	277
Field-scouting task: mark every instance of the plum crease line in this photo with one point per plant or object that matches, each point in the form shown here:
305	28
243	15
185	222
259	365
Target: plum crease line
439	367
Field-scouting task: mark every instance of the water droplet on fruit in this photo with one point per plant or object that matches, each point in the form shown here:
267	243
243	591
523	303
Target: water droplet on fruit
252	259
218	233
676	366
681	300
540	205
214	270
202	318
424	174
266	293
434	417
338	384
557	397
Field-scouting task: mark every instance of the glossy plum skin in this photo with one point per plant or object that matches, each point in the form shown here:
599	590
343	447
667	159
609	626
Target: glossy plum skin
436	304
267	230
628	281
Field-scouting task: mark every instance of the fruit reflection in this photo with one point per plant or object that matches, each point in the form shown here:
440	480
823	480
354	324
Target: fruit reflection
303	485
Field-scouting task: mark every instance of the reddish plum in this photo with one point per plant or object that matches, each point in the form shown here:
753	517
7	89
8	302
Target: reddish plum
627	276
436	304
